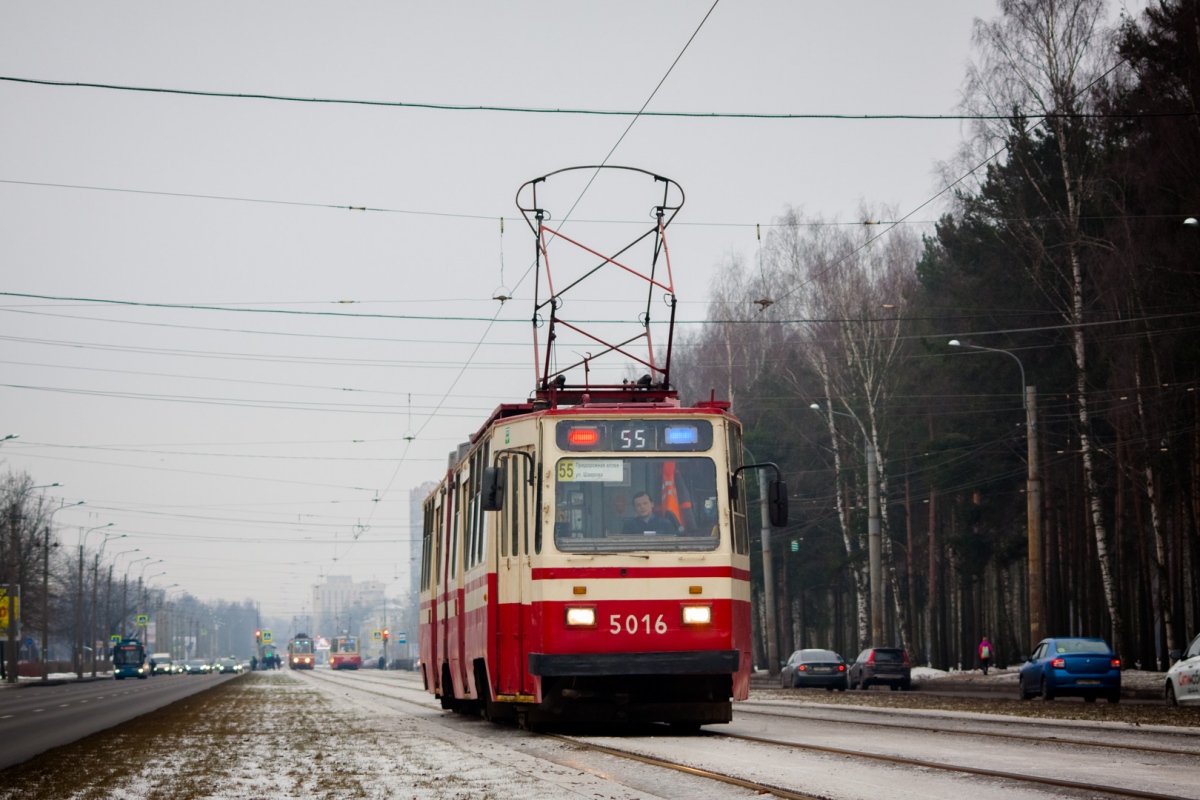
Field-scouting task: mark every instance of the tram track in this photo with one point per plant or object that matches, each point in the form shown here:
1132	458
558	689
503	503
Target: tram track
755	786
1021	778
743	709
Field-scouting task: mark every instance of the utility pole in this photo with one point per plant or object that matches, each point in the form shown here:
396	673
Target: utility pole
95	608
79	612
12	596
768	578
46	604
1033	500
874	547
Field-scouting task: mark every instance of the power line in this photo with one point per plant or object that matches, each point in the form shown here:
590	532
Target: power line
582	111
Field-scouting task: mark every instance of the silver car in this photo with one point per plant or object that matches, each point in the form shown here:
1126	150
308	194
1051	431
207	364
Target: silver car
1183	679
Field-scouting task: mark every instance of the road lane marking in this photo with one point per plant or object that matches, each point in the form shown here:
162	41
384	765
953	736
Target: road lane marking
64	705
6	716
36	710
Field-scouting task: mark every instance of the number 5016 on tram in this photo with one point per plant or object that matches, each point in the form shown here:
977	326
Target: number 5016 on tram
591	562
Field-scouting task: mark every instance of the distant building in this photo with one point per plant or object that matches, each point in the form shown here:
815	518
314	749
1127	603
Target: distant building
340	604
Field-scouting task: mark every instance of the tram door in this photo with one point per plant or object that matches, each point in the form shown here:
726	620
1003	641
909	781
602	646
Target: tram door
513	578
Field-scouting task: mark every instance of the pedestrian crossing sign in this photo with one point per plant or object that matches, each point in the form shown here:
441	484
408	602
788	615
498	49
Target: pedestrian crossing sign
114	638
143	620
267	637
376	636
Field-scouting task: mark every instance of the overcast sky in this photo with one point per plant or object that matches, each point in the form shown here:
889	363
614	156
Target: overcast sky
248	450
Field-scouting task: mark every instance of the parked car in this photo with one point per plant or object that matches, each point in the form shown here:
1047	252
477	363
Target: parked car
888	666
197	666
1183	679
816	668
1079	667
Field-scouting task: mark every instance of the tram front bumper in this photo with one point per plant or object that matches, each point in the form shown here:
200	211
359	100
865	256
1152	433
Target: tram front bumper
699	662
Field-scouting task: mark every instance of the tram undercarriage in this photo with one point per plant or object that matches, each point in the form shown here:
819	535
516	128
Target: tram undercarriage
686	701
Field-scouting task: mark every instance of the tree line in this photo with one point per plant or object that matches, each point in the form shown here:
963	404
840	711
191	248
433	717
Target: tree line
1064	245
78	591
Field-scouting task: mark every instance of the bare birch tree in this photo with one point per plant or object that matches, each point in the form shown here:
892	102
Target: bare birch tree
1038	59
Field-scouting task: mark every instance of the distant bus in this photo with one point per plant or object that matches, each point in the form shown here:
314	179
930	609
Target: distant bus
129	660
300	652
343	653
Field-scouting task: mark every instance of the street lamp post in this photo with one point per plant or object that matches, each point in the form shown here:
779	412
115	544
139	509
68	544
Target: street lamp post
79	601
768	566
874	535
141	592
1033	502
125	592
108	614
46	590
95	590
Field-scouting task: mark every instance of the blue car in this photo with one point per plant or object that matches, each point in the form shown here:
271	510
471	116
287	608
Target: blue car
1073	667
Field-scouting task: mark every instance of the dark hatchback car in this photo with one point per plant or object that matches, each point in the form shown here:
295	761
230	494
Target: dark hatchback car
885	666
815	668
1079	667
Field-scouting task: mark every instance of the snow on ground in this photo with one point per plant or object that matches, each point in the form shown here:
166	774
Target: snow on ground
1131	678
279	736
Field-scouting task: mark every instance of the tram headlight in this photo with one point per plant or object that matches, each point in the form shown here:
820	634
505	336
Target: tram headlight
697	615
581	617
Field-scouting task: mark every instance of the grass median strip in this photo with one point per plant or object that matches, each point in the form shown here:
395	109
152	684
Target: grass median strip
275	736
214	743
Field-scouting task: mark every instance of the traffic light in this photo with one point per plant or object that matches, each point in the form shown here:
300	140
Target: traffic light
258	636
385	635
795	546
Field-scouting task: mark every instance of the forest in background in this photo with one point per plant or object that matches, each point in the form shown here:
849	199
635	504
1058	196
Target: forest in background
1065	244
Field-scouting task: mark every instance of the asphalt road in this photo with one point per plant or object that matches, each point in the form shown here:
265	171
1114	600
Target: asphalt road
35	718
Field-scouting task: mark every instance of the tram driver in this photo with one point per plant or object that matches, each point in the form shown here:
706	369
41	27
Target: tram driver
646	521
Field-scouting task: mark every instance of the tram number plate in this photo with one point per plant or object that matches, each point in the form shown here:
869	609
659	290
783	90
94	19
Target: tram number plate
633	624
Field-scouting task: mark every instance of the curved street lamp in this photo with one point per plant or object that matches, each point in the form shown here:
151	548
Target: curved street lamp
874	536
1033	494
46	582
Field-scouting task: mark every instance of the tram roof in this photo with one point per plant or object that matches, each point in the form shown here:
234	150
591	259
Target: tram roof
607	400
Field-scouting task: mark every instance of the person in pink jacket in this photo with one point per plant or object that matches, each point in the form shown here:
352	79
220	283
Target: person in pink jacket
985	654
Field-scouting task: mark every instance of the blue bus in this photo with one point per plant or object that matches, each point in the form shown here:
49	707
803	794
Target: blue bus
129	660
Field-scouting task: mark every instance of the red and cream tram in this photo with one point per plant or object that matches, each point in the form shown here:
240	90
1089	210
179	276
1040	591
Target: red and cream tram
586	557
300	652
343	653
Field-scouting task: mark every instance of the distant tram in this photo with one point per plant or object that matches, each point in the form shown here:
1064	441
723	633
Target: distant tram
300	652
343	653
586	555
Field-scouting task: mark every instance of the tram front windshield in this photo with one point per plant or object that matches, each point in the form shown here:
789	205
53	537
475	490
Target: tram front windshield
610	504
302	646
345	646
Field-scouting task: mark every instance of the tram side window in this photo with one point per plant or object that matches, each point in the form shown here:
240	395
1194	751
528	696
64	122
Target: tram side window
480	517
439	514
741	535
452	551
426	537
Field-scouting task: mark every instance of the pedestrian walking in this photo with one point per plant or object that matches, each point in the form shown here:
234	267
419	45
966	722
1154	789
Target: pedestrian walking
985	654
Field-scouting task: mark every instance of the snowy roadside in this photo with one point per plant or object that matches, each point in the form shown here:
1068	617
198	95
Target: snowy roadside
271	736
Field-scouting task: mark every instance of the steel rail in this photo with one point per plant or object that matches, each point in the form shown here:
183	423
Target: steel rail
987	773
755	786
993	734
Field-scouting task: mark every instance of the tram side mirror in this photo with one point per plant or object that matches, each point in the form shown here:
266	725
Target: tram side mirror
777	503
493	489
